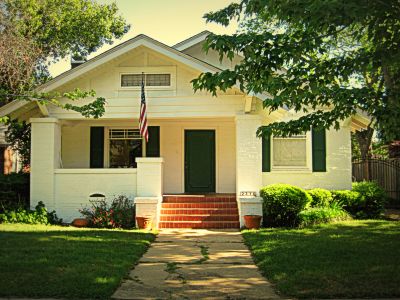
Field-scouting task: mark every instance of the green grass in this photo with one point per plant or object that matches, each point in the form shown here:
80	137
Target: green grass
348	259
66	262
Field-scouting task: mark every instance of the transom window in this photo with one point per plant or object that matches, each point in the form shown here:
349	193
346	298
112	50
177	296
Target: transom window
290	151
135	80
125	146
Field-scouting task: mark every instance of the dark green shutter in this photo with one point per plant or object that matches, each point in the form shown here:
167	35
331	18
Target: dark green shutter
153	145
266	154
96	147
318	150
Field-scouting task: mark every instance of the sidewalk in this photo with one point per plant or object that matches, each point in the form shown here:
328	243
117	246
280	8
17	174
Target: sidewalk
196	264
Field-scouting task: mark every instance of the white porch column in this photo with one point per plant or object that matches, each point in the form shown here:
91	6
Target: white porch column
248	164
45	157
149	187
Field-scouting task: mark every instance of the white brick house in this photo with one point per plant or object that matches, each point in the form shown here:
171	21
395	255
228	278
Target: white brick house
199	144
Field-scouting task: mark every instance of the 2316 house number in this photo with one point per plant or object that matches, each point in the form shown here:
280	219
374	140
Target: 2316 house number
248	193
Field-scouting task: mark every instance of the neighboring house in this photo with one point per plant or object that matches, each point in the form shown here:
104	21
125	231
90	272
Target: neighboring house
198	144
9	162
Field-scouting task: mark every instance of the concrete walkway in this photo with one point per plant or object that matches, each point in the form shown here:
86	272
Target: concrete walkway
196	264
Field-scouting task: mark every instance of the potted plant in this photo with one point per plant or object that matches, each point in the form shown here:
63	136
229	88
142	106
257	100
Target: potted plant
252	221
144	222
80	222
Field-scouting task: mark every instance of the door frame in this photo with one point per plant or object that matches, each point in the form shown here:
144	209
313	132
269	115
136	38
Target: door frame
214	130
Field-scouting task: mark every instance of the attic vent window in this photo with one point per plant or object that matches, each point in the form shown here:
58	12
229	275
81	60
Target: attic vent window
135	80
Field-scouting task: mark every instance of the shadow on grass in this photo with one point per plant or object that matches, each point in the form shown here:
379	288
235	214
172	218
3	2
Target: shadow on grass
68	263
345	259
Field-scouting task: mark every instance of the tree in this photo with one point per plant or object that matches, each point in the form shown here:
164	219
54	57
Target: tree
326	59
36	33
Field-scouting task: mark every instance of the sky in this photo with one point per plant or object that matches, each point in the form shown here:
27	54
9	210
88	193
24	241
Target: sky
168	21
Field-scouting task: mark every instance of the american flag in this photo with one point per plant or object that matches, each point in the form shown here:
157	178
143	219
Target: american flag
143	114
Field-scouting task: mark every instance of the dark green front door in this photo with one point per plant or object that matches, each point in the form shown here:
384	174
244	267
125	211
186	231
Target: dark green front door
199	161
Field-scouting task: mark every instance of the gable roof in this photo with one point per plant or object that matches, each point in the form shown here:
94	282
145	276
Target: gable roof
193	40
139	40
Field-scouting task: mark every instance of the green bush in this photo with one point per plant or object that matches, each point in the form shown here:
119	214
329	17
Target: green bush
14	191
38	216
372	199
120	213
282	204
319	215
320	197
366	200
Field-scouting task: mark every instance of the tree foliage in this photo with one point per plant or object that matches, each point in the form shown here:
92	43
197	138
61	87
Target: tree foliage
18	134
36	33
324	59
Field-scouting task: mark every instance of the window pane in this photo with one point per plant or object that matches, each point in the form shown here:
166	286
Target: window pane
289	152
158	79
131	80
124	134
124	152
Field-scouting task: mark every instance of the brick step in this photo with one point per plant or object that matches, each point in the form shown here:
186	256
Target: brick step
197	199
203	218
200	211
203	224
200	205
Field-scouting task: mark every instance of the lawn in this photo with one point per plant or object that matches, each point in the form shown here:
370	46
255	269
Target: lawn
351	259
66	262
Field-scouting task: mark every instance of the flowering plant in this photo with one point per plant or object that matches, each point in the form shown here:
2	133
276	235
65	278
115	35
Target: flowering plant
120	213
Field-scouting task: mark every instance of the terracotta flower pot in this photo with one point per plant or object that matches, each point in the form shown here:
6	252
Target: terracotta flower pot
144	222
252	221
80	222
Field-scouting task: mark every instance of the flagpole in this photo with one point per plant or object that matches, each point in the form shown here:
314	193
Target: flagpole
144	143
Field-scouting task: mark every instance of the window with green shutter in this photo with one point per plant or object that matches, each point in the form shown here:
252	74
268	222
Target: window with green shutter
96	147
318	150
266	154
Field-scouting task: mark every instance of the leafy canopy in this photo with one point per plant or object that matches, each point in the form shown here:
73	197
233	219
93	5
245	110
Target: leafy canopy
324	59
36	33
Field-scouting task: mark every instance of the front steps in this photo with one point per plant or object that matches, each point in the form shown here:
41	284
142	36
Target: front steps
199	211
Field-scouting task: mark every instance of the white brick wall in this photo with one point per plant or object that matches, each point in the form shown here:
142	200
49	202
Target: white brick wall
149	206
45	157
150	176
248	154
249	206
74	186
149	187
338	165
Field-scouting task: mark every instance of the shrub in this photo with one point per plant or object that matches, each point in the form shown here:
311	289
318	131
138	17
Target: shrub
366	200
38	216
320	197
120	213
282	204
372	199
319	215
14	191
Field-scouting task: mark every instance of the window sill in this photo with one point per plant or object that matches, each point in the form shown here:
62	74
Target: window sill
146	88
291	170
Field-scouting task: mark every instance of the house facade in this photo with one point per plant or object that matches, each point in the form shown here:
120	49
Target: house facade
199	145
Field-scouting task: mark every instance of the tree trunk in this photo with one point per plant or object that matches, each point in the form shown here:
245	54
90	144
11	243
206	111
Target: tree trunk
364	139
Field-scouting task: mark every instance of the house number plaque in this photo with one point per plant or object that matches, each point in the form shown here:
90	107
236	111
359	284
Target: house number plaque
248	193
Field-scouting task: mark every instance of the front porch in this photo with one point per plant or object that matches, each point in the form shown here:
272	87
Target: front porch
67	169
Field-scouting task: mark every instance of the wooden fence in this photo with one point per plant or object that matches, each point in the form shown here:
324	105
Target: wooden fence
386	172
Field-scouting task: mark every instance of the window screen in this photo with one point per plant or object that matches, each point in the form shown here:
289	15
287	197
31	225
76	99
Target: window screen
158	80
290	152
150	80
131	80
